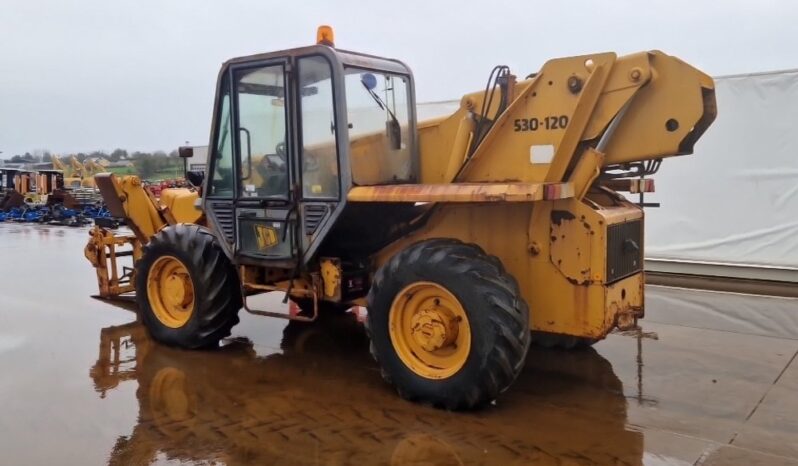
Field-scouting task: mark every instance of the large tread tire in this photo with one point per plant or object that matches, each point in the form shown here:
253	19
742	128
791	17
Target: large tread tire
217	294
563	342
498	317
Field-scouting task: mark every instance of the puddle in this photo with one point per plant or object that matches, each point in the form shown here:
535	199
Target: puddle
320	401
83	386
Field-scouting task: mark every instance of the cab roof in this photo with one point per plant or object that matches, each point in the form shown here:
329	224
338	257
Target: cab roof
344	57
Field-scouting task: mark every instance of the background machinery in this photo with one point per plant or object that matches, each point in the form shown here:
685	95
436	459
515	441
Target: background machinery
93	167
13	187
466	237
71	181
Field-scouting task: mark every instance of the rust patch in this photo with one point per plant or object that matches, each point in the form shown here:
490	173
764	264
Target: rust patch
576	282
462	192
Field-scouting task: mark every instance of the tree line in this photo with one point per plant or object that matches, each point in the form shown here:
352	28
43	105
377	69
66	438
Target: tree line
145	164
114	156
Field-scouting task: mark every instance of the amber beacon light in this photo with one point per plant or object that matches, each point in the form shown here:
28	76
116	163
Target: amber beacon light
325	36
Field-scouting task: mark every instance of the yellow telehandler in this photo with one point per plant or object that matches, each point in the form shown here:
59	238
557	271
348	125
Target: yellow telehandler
72	177
466	237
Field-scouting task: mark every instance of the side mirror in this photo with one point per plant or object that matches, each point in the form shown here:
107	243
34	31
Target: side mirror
195	178
185	152
369	81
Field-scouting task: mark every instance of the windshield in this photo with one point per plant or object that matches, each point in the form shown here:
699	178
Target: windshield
378	110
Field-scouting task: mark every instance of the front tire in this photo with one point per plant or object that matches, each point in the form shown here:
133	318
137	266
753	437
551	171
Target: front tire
187	290
447	324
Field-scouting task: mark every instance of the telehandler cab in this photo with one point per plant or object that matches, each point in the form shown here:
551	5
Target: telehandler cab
466	237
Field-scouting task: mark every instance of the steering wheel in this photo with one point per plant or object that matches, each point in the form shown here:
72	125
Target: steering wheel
279	149
269	164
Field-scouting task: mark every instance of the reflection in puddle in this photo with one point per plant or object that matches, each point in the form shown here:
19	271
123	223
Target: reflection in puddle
320	401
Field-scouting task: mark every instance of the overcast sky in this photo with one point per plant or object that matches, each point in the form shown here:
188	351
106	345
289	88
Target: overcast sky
82	75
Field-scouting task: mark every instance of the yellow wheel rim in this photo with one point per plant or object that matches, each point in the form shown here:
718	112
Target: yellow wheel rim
170	291
429	330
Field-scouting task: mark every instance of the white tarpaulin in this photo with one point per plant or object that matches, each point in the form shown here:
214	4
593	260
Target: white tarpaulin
732	207
735	200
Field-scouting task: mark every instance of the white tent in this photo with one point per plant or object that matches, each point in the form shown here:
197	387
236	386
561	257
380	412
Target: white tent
731	209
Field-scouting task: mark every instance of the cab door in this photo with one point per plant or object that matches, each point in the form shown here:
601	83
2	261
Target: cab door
264	203
275	177
248	195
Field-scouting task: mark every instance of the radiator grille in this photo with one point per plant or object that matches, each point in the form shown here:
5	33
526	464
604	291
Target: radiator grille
624	250
313	214
223	214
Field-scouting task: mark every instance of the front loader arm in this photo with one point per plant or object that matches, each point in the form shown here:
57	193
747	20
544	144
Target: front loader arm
128	199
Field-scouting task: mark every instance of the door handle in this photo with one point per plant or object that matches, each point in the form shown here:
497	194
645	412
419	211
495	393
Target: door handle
249	153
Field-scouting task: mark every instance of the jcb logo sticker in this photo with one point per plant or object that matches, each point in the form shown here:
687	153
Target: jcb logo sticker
266	236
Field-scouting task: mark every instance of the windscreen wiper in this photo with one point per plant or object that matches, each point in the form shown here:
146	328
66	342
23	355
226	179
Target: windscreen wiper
379	101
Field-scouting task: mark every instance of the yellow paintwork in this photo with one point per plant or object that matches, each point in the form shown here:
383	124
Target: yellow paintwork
586	171
101	251
59	165
676	90
568	297
561	265
77	167
139	207
181	203
80	172
145	216
331	278
429	330
70	181
170	291
462	192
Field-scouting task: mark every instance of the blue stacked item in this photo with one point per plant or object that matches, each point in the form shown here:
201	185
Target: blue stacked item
56	214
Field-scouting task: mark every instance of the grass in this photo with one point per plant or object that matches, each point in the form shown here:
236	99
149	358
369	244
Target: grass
122	170
167	173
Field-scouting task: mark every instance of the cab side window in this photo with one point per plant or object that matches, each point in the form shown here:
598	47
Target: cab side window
261	109
222	177
319	154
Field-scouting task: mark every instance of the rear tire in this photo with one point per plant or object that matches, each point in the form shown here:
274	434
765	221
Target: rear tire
208	316
490	309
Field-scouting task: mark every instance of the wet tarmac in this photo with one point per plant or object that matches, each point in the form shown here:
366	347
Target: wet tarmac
713	379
